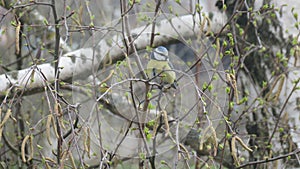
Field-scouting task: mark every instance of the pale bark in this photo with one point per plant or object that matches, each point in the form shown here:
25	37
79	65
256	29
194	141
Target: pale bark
81	61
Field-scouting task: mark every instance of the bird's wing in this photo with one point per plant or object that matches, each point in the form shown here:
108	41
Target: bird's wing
152	55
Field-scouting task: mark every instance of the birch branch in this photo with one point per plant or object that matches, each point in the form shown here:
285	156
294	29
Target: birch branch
81	61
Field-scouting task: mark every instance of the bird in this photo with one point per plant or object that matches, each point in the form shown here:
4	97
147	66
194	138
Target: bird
160	66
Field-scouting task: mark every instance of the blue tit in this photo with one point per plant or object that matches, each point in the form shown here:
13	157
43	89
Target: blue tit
160	66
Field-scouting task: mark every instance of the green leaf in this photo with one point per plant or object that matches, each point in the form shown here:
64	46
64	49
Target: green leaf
151	123
45	22
68	8
151	106
228	135
149	95
227	89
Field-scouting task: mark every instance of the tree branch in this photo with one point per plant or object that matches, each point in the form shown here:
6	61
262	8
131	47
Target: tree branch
79	62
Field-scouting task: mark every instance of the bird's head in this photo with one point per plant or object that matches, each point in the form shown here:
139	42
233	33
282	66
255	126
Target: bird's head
160	53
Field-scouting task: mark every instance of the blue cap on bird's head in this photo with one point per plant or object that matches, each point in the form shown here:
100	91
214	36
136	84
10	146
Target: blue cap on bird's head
161	50
160	53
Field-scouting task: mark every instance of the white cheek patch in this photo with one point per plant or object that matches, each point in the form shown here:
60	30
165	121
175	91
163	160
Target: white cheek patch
159	57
